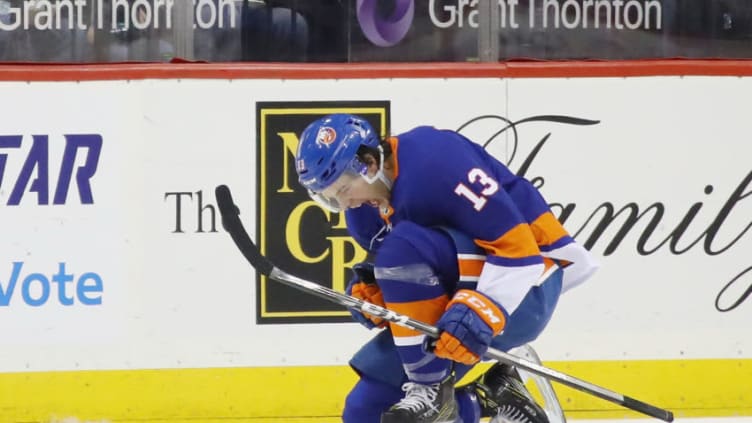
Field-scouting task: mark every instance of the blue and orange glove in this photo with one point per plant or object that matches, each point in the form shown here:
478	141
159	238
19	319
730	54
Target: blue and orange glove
363	287
469	323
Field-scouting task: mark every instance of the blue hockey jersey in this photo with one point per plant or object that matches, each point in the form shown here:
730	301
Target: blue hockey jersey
444	179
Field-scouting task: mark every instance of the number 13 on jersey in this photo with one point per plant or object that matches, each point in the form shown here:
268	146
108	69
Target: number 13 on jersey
490	186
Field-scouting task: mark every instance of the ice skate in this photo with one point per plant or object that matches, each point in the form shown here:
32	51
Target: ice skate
513	403
424	404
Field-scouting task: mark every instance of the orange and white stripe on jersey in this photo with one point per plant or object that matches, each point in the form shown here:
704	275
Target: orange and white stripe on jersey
470	266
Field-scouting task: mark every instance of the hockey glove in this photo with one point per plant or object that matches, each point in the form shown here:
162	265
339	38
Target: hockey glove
468	325
363	287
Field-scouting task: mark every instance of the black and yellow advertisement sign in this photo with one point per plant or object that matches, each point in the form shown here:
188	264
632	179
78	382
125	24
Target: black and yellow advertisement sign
296	233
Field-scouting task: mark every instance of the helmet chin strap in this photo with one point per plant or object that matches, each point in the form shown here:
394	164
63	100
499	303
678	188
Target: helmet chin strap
380	173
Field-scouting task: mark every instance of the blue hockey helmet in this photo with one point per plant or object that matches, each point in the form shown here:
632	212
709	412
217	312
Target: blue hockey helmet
329	146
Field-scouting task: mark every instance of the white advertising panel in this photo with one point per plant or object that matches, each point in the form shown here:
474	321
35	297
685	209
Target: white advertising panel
658	189
113	256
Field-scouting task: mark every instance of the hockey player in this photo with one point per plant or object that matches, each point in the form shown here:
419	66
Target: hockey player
459	242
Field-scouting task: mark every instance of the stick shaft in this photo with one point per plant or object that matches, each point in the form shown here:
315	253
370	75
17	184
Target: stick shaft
492	353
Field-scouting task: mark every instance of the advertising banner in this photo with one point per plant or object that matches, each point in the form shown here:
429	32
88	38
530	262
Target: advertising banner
86	31
300	235
111	234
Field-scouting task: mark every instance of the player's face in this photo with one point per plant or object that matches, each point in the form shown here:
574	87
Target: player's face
351	191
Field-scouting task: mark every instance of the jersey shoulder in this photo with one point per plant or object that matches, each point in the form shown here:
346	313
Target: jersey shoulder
432	163
426	150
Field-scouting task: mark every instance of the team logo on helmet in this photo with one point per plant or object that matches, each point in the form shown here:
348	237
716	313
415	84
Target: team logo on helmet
326	135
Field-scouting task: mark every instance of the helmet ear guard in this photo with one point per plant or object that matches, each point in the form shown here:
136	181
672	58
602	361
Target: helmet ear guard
379	176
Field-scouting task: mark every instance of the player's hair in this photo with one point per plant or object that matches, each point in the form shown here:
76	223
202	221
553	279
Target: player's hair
374	152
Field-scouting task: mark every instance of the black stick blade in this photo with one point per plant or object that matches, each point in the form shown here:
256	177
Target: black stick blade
232	224
648	409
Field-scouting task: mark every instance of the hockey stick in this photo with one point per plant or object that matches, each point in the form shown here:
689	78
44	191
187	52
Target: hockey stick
231	222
